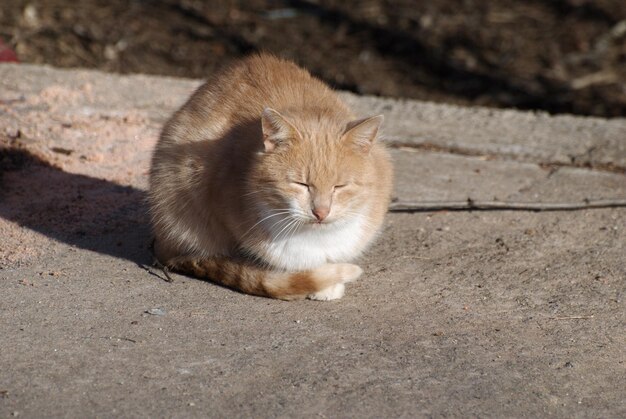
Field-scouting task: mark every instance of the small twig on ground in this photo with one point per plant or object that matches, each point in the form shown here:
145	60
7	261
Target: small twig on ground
164	269
571	317
471	205
158	265
118	338
155	268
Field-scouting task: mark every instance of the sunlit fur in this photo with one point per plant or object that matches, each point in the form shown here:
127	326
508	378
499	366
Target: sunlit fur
240	168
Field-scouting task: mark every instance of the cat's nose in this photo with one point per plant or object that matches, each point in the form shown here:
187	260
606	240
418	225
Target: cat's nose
321	212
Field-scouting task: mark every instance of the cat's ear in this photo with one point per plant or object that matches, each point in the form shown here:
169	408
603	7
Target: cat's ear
277	130
362	133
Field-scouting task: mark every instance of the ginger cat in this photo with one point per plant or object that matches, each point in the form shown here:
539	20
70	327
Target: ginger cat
265	182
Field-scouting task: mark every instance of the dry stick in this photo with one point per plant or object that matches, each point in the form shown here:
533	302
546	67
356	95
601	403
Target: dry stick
571	317
471	205
158	265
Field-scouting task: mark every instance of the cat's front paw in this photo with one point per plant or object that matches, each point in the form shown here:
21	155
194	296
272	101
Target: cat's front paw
337	273
334	292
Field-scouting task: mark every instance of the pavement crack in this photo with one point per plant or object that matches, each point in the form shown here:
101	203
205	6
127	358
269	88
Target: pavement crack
582	161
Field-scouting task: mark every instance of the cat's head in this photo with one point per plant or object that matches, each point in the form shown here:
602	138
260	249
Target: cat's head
318	171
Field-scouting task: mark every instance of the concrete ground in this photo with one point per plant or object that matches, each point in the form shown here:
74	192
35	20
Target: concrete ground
483	313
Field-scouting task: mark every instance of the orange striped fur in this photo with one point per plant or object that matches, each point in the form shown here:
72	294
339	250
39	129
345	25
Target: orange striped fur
267	162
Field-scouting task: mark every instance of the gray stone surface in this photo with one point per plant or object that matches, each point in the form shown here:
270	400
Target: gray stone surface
498	314
520	135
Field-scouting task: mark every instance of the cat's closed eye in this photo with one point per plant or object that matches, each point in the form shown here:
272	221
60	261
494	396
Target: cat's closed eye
340	186
304	185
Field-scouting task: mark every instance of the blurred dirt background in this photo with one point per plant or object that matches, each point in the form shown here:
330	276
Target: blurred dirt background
561	56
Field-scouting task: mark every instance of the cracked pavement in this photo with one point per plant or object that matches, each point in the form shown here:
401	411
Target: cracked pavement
479	313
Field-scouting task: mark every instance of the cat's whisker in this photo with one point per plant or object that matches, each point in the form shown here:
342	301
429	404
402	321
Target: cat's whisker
287	214
297	228
293	226
278	224
276	236
294	231
291	221
280	212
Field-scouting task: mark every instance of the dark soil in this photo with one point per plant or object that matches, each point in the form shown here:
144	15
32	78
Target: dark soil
562	56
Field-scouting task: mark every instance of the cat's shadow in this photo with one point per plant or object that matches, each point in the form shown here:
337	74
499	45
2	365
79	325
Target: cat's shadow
82	211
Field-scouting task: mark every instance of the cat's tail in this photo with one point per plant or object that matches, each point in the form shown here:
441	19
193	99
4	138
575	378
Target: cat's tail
322	283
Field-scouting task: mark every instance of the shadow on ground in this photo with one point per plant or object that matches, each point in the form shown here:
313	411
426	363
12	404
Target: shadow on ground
82	211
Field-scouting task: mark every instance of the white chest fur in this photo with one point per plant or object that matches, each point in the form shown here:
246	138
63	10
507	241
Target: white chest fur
314	245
